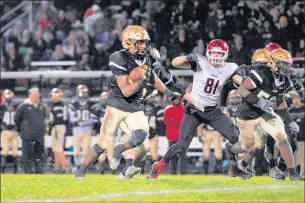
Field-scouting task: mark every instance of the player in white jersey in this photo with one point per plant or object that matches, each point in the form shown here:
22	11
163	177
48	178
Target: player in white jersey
210	74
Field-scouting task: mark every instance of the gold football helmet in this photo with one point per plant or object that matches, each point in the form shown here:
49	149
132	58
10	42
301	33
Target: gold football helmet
56	94
82	91
131	35
280	61
260	56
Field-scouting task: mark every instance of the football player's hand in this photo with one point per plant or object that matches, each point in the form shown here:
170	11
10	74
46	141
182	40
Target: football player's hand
149	76
192	58
294	127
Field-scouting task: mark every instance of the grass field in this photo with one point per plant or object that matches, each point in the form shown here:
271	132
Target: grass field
167	188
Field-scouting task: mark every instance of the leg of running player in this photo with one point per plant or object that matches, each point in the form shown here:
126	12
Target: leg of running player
275	128
154	148
188	128
206	148
138	123
218	152
271	157
225	126
111	122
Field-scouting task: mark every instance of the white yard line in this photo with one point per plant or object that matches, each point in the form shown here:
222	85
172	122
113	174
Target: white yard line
143	193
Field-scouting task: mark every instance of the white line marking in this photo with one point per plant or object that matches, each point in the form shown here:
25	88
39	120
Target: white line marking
142	193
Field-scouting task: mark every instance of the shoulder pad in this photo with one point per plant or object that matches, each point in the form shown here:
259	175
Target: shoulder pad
118	57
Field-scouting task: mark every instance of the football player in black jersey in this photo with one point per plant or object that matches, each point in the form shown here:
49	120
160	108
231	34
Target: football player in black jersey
9	134
256	110
125	101
82	121
260	56
58	121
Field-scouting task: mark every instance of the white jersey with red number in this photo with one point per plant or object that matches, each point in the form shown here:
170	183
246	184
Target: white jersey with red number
208	80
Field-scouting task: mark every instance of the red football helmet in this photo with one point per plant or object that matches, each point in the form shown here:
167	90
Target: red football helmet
217	45
272	46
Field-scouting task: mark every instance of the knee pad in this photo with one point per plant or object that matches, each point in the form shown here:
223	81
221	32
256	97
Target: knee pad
98	149
138	137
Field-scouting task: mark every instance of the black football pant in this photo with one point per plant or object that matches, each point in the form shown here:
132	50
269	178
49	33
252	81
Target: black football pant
212	116
33	154
174	161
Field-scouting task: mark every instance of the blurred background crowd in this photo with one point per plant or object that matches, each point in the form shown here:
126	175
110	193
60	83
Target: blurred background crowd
89	31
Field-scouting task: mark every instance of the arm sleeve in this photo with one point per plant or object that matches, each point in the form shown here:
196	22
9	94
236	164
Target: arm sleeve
117	64
255	78
230	85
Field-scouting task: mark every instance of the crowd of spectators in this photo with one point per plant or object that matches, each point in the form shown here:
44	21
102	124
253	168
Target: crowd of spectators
89	31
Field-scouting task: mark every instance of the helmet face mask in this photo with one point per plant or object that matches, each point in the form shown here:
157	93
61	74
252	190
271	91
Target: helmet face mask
218	46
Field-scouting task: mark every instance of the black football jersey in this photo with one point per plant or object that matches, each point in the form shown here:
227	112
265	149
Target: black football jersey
122	63
98	113
8	111
58	113
266	87
79	111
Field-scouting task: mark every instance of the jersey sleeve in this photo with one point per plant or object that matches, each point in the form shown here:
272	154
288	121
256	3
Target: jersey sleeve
118	64
165	75
256	76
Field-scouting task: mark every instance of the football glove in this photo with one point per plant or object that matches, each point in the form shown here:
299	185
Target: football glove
192	58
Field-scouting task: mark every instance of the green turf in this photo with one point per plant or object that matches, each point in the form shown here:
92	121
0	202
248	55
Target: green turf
43	187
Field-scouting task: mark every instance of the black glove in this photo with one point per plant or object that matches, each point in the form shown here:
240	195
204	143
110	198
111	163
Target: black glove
192	58
149	76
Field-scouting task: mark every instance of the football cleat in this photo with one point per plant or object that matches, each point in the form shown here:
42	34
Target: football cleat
276	173
114	163
156	170
296	177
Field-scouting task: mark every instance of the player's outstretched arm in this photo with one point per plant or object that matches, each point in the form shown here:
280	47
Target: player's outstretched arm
127	88
181	62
